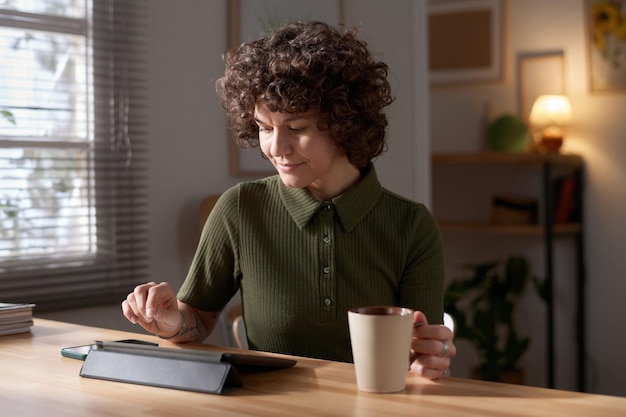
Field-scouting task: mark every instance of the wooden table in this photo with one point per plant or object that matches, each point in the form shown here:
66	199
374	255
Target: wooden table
37	381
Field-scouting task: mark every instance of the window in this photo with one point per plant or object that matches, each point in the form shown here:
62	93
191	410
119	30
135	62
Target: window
72	151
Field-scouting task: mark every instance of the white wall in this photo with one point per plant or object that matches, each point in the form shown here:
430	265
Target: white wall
388	27
598	134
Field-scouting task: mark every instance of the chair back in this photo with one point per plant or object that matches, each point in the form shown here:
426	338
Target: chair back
448	321
239	333
206	206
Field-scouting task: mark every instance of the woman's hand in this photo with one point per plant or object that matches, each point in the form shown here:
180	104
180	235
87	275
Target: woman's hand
154	307
432	348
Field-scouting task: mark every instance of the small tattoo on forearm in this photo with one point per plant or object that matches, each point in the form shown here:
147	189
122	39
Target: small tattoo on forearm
193	332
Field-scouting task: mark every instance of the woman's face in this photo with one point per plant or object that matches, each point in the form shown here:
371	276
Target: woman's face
304	156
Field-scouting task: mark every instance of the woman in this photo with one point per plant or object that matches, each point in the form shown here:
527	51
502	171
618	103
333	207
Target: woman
322	236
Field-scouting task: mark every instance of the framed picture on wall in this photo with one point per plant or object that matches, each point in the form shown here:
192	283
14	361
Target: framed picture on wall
249	19
465	41
538	73
606	35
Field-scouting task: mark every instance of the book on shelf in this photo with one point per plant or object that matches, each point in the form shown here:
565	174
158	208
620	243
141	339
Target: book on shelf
15	318
566	208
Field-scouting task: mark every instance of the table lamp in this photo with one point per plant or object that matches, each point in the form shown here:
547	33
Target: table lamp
551	114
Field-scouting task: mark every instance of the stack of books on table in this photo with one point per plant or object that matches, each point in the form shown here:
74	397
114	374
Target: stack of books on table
15	318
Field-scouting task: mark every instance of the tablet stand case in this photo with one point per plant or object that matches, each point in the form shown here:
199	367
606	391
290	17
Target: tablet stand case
178	371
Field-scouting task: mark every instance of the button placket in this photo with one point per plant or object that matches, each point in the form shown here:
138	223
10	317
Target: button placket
327	283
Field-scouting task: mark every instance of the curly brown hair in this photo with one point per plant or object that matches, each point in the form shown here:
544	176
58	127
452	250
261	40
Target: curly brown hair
310	66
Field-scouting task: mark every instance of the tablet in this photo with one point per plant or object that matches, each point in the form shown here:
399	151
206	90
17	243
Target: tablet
81	352
243	361
247	361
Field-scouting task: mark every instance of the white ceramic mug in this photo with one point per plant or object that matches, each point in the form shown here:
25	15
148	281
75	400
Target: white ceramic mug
381	343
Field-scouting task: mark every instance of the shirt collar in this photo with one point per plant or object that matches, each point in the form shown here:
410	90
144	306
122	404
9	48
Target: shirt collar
351	206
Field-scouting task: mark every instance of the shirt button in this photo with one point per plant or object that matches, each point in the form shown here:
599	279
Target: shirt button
326	240
326	270
328	301
328	207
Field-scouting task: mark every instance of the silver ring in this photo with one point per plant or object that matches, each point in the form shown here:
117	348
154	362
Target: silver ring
445	350
444	372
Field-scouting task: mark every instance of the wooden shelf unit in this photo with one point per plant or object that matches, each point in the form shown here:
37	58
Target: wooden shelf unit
507	158
546	230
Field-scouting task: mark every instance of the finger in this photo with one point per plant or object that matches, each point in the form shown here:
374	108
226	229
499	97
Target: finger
129	308
448	349
430	372
445	349
132	311
159	297
433	331
419	319
433	347
137	300
128	312
432	361
135	314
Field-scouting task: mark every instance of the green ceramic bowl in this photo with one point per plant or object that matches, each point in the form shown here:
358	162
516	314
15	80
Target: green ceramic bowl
508	133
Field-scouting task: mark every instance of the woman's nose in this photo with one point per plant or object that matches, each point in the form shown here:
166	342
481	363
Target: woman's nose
280	143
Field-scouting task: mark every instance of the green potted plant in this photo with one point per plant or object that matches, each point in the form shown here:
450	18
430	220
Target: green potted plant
483	306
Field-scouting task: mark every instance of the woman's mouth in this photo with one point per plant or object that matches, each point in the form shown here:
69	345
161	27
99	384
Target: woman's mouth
287	167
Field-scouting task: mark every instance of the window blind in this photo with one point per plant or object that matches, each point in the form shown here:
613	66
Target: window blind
73	151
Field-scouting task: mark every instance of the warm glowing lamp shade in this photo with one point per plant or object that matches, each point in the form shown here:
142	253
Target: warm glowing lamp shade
551	114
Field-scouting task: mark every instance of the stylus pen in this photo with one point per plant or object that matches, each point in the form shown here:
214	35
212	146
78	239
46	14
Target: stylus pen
138	349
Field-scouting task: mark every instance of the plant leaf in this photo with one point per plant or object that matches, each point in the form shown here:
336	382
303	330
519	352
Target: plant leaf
8	115
541	288
516	274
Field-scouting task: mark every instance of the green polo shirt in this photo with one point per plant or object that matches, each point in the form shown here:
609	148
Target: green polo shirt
301	264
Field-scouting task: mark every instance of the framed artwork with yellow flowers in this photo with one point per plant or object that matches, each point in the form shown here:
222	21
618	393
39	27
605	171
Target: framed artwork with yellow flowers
606	31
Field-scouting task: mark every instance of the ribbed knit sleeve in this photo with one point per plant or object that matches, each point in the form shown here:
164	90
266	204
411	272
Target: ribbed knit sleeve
214	274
